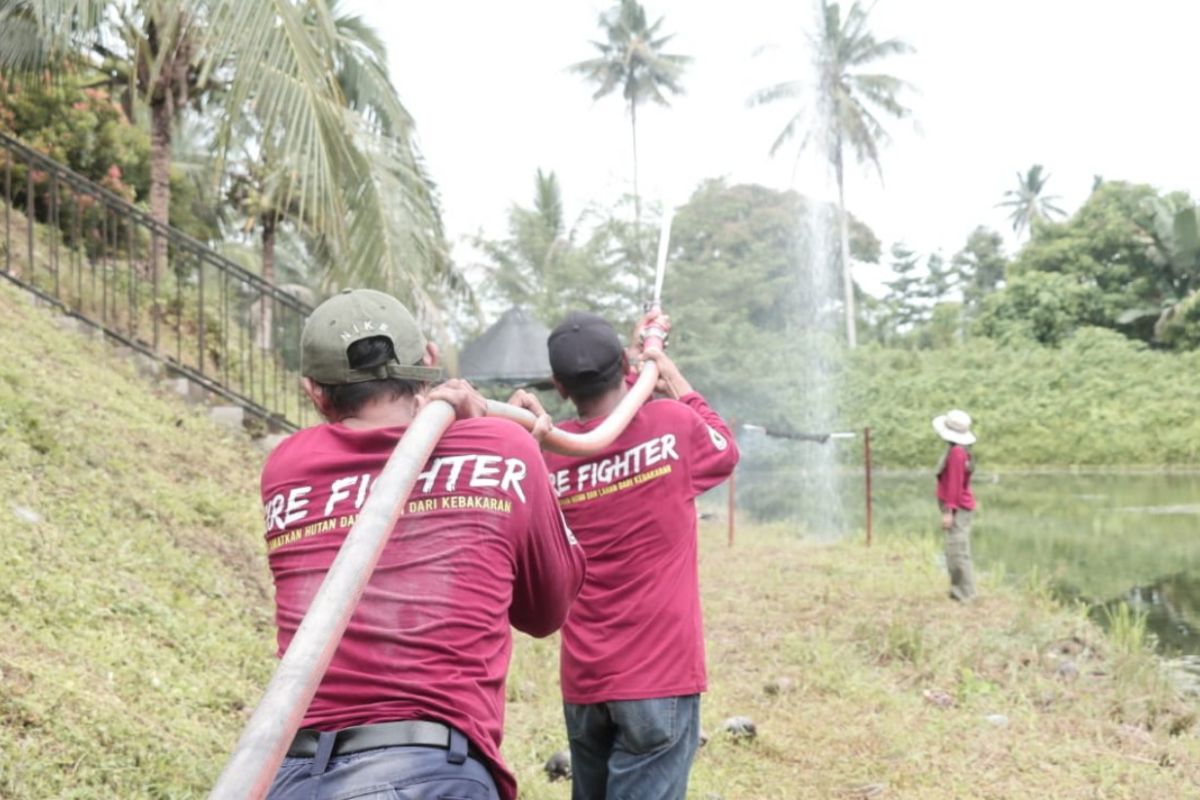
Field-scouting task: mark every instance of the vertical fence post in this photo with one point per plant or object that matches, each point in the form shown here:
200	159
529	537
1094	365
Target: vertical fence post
867	468
53	231
201	317
154	270
7	211
30	216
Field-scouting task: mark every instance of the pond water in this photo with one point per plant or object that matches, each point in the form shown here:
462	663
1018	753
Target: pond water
1101	538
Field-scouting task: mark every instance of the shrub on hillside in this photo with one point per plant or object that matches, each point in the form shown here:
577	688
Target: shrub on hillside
82	128
1100	399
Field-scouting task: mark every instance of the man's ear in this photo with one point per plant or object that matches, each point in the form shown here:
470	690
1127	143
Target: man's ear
317	396
562	390
431	357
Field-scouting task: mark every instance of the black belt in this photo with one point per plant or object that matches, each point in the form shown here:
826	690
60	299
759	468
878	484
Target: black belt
418	732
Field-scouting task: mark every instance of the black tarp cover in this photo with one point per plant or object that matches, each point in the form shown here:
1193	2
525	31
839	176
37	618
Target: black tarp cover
511	352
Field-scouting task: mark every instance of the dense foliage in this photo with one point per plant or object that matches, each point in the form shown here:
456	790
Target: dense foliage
86	129
83	128
1099	399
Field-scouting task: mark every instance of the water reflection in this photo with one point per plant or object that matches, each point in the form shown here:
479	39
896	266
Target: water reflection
1172	609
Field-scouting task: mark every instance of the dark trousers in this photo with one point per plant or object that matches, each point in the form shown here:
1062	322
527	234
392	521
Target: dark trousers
633	749
958	556
388	773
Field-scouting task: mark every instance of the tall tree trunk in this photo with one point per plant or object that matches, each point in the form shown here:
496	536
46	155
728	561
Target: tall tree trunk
263	336
161	113
847	278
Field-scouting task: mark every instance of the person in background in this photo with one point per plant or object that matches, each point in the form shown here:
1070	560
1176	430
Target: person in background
412	704
955	499
632	659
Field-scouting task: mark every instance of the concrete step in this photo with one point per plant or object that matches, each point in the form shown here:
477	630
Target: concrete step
145	366
231	417
189	391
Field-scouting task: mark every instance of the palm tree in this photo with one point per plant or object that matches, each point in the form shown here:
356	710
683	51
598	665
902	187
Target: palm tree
1027	202
848	103
264	187
631	58
322	102
1172	236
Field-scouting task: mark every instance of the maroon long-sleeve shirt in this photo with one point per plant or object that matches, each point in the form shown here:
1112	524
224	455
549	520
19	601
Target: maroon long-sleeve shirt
635	631
481	543
954	482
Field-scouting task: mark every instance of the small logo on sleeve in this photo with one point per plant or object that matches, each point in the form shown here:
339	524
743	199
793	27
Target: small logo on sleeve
718	440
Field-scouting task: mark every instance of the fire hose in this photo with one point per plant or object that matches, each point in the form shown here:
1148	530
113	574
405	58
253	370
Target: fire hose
264	741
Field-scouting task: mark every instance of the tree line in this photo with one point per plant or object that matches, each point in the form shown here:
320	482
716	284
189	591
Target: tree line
273	131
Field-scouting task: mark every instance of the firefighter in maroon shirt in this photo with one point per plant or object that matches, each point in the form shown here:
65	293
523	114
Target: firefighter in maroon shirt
413	701
633	645
955	499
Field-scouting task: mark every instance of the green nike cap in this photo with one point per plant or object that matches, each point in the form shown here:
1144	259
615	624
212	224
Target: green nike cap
358	314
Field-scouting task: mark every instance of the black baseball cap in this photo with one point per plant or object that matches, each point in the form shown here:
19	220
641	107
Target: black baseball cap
584	351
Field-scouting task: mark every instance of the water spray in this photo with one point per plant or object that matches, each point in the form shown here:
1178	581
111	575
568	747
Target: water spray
821	438
604	434
278	715
654	336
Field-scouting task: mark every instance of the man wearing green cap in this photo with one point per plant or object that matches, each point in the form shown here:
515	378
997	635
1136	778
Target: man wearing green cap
412	703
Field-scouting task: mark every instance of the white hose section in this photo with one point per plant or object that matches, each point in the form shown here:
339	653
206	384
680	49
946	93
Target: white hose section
600	437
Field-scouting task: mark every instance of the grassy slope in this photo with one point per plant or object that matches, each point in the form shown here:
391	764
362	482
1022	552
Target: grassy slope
135	617
136	627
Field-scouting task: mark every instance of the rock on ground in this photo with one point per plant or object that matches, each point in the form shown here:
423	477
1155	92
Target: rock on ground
558	766
740	727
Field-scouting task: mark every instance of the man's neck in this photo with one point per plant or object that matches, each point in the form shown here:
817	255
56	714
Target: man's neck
391	413
600	405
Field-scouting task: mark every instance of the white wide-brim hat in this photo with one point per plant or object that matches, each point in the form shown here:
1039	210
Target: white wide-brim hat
954	426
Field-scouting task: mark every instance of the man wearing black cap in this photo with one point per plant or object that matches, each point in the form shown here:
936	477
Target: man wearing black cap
412	704
633	644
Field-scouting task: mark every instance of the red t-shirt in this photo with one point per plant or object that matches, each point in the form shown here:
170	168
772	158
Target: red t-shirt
481	543
954	482
635	631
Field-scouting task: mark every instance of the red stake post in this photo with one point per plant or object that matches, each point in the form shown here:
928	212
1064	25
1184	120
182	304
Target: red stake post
867	467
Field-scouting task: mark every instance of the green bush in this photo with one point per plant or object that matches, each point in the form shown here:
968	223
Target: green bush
1099	400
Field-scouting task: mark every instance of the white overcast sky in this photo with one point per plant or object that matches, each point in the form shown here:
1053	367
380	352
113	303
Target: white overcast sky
1083	87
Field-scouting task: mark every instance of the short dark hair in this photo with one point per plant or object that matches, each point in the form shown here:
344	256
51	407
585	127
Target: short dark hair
589	390
347	399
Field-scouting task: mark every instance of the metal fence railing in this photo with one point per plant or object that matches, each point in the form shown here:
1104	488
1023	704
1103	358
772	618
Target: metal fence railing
81	247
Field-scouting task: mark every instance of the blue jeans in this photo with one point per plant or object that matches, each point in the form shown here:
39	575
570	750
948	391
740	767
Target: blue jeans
633	749
388	773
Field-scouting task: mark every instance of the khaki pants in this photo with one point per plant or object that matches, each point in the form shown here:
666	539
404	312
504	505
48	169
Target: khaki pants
958	556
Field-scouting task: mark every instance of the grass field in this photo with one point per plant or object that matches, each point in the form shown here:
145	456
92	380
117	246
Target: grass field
844	658
135	616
